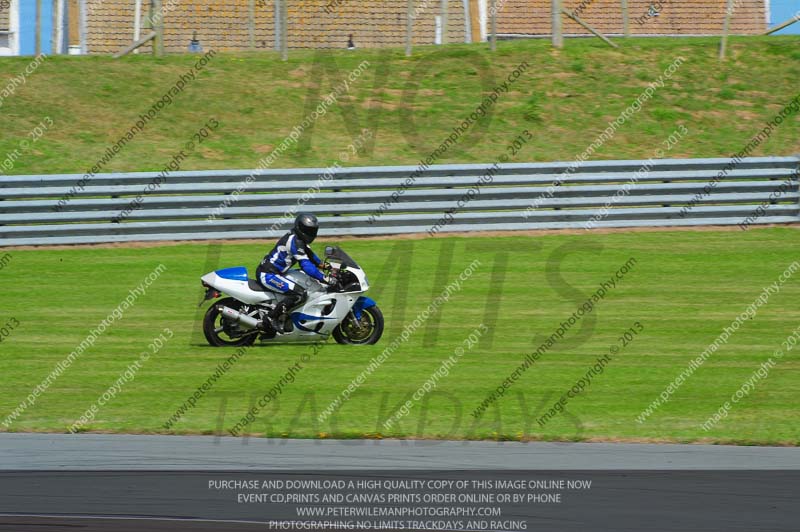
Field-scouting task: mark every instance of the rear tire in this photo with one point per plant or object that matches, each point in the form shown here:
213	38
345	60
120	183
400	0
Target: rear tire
366	331
218	331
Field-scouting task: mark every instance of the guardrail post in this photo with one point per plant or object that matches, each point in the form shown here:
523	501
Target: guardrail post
797	178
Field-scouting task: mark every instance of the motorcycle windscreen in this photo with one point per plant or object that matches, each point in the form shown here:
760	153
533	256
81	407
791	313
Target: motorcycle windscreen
335	253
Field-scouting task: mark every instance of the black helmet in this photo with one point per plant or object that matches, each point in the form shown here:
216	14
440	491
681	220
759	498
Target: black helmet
306	226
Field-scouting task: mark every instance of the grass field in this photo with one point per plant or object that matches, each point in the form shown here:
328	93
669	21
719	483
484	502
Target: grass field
684	288
565	98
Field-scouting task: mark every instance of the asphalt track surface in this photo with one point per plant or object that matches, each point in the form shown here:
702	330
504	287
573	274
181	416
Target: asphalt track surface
58	482
141	452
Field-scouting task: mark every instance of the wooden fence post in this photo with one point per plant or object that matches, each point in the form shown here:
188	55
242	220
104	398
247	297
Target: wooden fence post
38	46
158	27
251	24
445	12
782	25
493	25
558	38
284	30
586	25
626	23
725	29
409	26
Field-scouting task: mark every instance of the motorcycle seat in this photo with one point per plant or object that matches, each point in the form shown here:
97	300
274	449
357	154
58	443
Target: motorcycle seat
255	286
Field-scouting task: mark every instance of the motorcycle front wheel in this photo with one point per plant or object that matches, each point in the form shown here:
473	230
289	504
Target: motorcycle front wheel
366	331
223	333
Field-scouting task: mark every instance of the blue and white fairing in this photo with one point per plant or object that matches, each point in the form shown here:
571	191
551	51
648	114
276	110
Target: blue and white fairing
322	311
236	283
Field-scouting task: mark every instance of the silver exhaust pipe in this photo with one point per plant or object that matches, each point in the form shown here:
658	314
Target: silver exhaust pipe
242	319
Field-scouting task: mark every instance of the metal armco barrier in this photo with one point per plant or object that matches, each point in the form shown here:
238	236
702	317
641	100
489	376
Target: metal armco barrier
611	193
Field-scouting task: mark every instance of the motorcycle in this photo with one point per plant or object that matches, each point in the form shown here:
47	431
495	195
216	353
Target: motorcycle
340	310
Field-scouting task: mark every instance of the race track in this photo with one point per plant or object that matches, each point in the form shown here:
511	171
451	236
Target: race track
100	482
136	452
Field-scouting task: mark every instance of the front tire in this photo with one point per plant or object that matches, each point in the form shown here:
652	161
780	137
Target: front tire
366	331
222	333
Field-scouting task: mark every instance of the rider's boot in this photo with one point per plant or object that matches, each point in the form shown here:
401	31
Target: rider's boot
277	318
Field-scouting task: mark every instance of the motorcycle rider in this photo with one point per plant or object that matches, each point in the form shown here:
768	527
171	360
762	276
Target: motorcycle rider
290	248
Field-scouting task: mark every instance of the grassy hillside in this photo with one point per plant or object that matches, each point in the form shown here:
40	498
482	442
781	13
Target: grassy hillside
565	99
683	289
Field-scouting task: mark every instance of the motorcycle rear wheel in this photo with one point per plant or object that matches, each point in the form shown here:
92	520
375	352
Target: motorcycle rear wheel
366	331
218	331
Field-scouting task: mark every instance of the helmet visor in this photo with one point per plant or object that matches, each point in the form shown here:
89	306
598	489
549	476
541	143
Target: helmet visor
310	233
